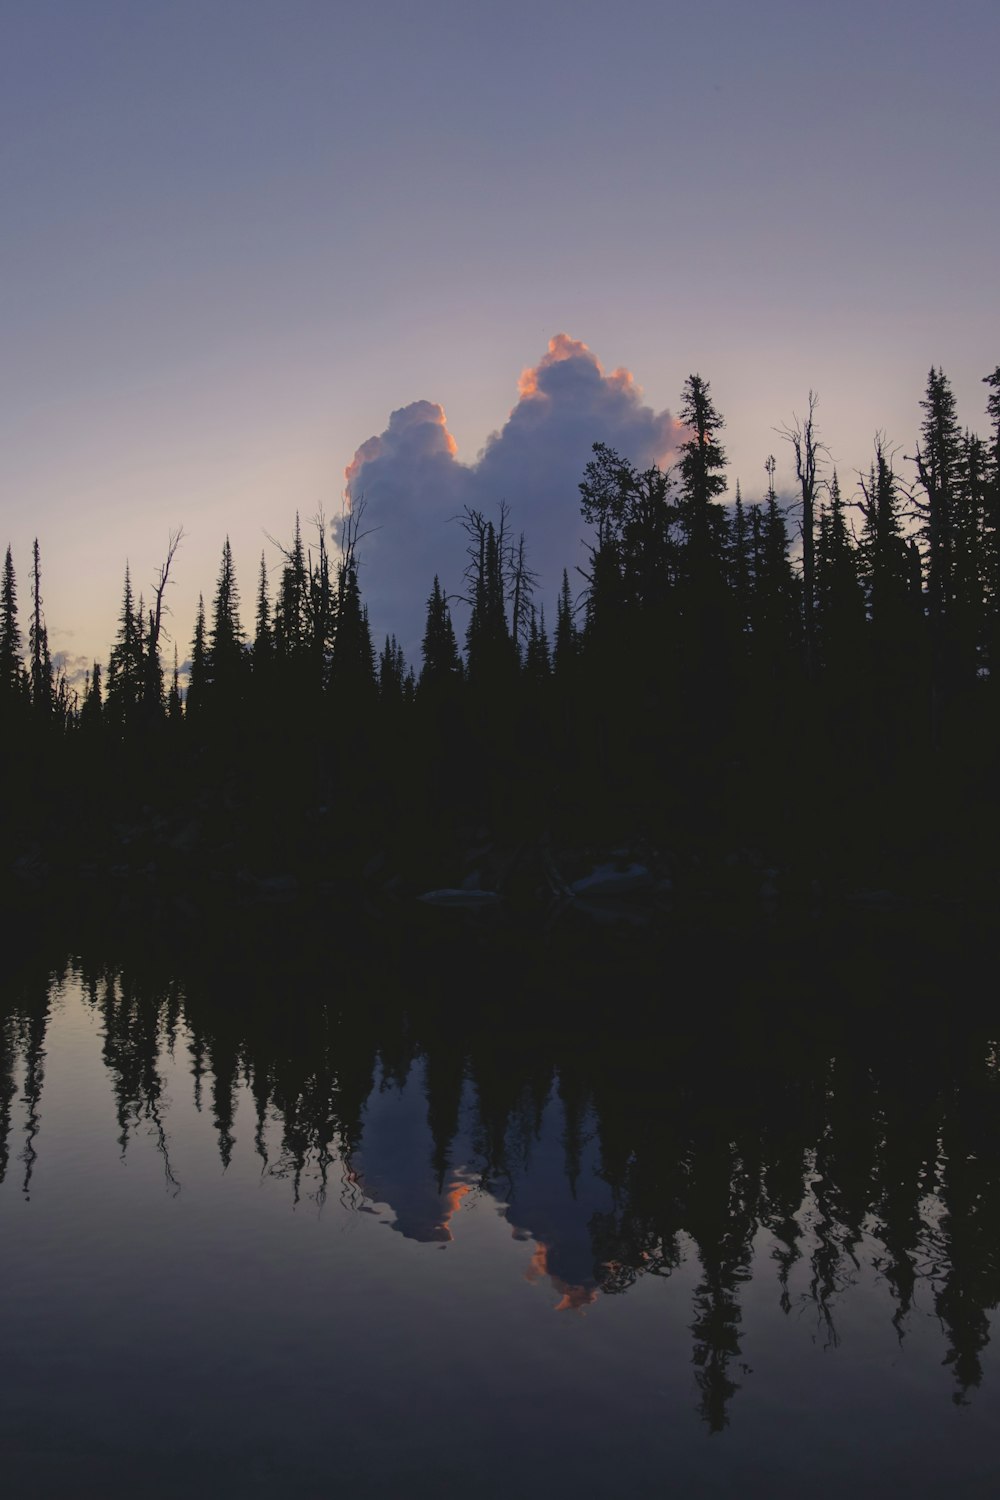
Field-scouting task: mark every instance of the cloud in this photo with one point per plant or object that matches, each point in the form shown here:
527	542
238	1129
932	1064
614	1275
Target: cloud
414	484
75	667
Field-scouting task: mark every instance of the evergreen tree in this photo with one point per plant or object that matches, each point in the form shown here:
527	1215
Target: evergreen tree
126	665
291	615
538	658
709	638
442	664
263	639
152	627
64	703
839	596
939	461
520	590
702	470
775	605
633	556
884	551
322	607
993	412
92	712
740	563
198	678
11	663
567	640
353	665
972	564
391	672
226	642
991	529
174	711
152	683
491	652
808	453
41	677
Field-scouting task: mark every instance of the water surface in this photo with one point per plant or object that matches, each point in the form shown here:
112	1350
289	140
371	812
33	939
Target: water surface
271	1228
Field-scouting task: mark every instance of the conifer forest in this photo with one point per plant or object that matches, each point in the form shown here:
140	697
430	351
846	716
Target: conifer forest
803	684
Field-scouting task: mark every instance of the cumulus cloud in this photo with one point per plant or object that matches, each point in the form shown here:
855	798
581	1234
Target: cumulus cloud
75	667
414	484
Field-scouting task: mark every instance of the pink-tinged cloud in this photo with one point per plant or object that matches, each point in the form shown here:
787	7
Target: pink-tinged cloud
573	1296
414	483
419	431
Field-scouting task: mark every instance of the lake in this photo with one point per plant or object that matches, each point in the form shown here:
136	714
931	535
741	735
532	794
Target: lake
301	1218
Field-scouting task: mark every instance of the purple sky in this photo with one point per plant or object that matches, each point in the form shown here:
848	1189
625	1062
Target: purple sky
237	236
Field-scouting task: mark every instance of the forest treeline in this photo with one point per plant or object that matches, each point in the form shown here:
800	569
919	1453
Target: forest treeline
818	682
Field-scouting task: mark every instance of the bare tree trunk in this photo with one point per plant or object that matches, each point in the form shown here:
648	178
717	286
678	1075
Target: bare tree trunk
151	686
808	450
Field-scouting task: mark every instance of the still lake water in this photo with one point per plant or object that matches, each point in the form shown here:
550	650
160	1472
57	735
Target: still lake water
437	1224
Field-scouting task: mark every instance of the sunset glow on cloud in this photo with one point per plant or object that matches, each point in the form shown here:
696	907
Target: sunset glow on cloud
573	1298
423	421
414	484
561	347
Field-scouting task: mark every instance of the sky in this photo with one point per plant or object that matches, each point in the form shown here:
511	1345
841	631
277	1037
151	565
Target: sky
235	238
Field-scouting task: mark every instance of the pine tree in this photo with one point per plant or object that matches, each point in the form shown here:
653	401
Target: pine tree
491	652
391	672
92	712
442	665
41	677
884	552
939	460
353	664
839	596
152	681
226	642
322	608
150	630
194	703
567	641
291	615
538	658
12	682
775	603
633	556
740	563
708	635
702	470
808	456
126	665
520	589
993	412
943	527
991	529
972	569
64	703
263	640
174	709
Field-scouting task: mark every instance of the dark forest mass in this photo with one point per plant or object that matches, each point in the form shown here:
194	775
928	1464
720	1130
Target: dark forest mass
811	688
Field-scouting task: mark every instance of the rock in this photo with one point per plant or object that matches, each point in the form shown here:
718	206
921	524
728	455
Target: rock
608	880
462	900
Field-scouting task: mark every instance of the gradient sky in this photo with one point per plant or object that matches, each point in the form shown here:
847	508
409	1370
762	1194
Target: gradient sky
236	236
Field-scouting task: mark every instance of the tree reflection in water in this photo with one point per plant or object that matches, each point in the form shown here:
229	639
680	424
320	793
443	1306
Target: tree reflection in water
626	1120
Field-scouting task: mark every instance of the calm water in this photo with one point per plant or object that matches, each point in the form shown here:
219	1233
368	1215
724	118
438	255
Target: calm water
439	1227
